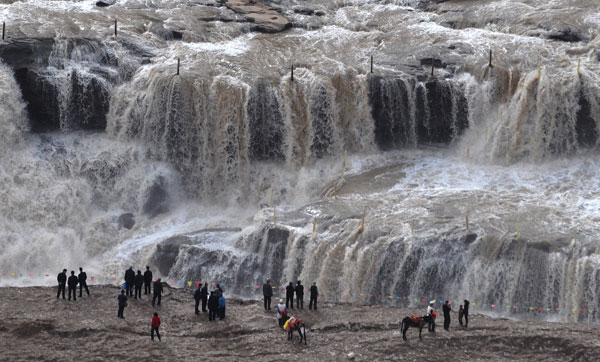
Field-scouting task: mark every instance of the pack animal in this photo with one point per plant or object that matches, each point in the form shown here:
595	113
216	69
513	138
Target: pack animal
294	324
416	322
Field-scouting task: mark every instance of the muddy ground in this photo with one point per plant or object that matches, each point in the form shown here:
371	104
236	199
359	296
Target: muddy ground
37	326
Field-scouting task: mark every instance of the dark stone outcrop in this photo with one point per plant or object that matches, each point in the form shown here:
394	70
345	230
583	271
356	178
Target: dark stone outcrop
587	133
104	3
126	220
265	18
407	112
157	199
85	95
567	34
167	251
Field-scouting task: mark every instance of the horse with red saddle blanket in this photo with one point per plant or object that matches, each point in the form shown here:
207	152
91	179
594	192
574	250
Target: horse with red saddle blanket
295	324
416	322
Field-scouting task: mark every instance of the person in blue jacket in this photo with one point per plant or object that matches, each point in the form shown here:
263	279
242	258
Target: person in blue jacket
221	307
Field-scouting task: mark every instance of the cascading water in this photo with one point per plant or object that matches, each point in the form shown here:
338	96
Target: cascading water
110	158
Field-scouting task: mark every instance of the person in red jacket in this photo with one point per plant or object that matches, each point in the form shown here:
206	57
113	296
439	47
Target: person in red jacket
155	325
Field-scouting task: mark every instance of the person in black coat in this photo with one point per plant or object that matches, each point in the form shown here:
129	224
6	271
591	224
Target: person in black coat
158	288
147	280
446	308
130	280
213	306
299	296
72	283
314	293
138	282
61	278
267	294
82	282
204	296
289	296
466	312
197	297
122	303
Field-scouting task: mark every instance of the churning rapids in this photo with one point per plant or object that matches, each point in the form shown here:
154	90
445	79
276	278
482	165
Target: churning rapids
109	158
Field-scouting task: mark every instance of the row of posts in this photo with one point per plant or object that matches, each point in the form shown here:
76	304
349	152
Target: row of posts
292	67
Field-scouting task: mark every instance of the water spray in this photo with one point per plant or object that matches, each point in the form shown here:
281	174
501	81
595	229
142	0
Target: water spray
314	225
578	64
271	198
274	217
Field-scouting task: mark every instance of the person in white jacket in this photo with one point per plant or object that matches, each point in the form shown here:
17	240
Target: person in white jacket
281	313
430	311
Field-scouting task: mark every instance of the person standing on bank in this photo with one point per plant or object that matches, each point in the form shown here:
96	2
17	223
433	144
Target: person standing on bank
213	306
72	283
204	296
267	294
281	313
138	282
62	281
446	309
466	312
158	288
460	315
129	280
155	324
314	293
82	282
122	303
222	307
147	280
197	297
299	295
289	296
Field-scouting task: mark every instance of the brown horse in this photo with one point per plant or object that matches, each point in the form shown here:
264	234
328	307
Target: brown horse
416	322
295	324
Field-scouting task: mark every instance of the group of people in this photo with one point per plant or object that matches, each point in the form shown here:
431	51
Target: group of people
72	282
289	295
463	312
135	282
215	302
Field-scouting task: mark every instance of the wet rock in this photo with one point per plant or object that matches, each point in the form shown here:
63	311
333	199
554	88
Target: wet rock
41	96
126	220
587	131
105	3
26	53
167	251
265	18
304	11
157	199
568	34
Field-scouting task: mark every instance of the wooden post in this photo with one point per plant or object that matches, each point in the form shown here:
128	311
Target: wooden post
178	62
467	220
292	78
432	65
314	225
412	227
490	58
115	27
3	29
371	64
271	198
